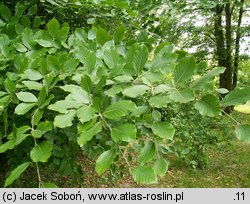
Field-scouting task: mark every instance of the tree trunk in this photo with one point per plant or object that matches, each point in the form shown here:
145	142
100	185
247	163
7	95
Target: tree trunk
237	46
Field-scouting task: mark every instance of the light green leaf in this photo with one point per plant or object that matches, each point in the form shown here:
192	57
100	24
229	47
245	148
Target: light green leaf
201	67
140	58
113	91
147	152
243	132
182	96
164	130
23	108
236	97
87	57
88	134
64	105
102	36
185	69
138	111
144	175
119	109
125	132
63	121
159	101
208	77
161	167
15	174
26	97
135	91
104	161
45	43
33	85
222	91
86	113
41	129
41	152
209	105
111	57
32	75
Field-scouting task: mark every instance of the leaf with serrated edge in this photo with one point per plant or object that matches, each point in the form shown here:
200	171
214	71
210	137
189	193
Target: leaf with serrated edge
144	175
104	161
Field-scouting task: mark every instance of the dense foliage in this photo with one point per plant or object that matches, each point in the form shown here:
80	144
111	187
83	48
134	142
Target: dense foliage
88	90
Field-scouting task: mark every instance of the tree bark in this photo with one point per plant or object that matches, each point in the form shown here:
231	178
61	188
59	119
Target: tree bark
237	45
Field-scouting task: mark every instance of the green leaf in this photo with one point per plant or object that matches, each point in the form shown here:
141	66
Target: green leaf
125	132
86	84
161	167
86	113
5	12
53	27
201	67
49	185
104	161
88	134
147	152
119	34
182	96
41	152
41	129
144	175
159	101
135	91
102	36
113	91
185	69
9	86
33	85
243	132
63	121
140	58
45	43
88	58
236	97
23	108
26	97
209	76
164	130
209	105
7	145
119	109
64	105
111	57
32	75
15	174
